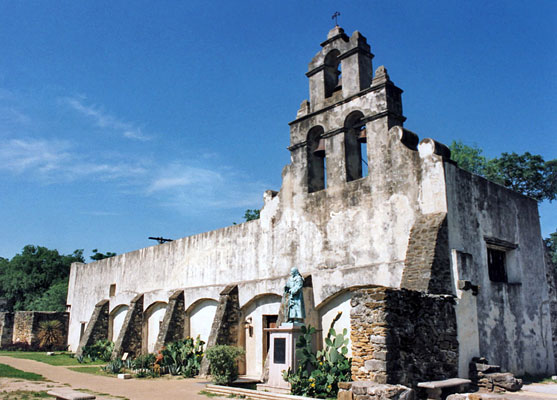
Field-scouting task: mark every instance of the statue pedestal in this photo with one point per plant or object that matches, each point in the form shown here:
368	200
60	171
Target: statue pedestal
282	355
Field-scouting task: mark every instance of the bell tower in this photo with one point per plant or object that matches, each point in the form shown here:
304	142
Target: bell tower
343	65
337	134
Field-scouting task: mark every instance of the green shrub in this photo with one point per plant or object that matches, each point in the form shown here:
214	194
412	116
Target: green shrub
224	363
183	357
100	350
318	375
145	361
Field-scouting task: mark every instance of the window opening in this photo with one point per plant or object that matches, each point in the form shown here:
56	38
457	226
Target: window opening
496	264
112	290
82	330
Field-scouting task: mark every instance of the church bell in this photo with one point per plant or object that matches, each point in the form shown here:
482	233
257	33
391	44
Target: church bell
320	150
362	138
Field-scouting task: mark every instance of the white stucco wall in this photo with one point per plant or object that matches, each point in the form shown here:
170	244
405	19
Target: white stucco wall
154	317
330	310
116	320
201	317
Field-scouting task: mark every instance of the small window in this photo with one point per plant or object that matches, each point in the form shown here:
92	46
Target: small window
112	291
497	265
82	329
502	262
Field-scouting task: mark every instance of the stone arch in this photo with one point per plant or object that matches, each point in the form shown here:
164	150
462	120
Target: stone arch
255	314
316	162
199	318
152	320
116	320
355	150
332	73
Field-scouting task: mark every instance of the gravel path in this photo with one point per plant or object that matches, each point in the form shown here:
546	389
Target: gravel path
133	389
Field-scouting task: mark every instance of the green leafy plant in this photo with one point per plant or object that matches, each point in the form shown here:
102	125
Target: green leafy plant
318	375
144	361
100	350
50	334
183	357
224	363
114	367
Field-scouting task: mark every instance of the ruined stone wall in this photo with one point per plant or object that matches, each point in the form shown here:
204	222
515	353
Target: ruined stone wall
26	326
6	328
403	337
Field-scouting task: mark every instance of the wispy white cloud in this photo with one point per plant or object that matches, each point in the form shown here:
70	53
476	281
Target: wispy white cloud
11	115
191	189
56	161
105	120
19	155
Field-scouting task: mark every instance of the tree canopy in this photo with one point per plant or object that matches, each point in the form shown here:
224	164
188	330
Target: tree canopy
526	173
37	278
251	215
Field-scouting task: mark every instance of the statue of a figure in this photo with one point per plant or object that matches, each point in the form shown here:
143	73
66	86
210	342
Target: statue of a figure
295	311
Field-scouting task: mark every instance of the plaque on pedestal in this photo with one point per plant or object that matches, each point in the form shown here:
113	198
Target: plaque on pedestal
282	356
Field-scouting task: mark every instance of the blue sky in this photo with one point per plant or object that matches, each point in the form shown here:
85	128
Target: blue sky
123	120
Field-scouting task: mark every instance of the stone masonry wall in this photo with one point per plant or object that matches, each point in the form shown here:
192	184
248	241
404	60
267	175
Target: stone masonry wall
97	328
427	265
172	327
6	328
131	337
403	337
26	325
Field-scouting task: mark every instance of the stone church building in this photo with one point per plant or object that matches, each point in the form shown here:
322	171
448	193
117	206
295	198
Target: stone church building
428	264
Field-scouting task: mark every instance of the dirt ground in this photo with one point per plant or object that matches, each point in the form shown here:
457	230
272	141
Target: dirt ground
132	389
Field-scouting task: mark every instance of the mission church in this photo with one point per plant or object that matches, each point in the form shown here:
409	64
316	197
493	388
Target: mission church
374	219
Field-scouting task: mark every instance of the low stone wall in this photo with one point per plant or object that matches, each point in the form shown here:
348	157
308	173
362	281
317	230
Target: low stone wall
6	328
24	326
403	337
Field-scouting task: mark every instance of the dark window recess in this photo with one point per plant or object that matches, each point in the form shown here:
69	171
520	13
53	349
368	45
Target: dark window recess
112	290
496	260
279	353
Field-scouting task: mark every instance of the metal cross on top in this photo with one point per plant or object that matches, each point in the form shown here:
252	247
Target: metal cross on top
335	16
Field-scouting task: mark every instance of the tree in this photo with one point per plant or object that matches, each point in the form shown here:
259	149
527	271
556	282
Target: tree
250	215
100	256
468	158
551	244
526	173
36	278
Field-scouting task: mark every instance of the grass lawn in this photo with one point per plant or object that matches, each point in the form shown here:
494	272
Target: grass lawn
94	370
23	395
9	372
56	359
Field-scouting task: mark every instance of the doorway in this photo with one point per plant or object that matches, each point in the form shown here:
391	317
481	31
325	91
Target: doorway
269	321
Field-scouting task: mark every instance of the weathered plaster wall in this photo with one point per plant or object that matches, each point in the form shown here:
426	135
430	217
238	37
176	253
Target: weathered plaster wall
512	318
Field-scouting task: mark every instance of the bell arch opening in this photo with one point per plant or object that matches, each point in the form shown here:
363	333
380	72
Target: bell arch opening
355	146
317	163
332	73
